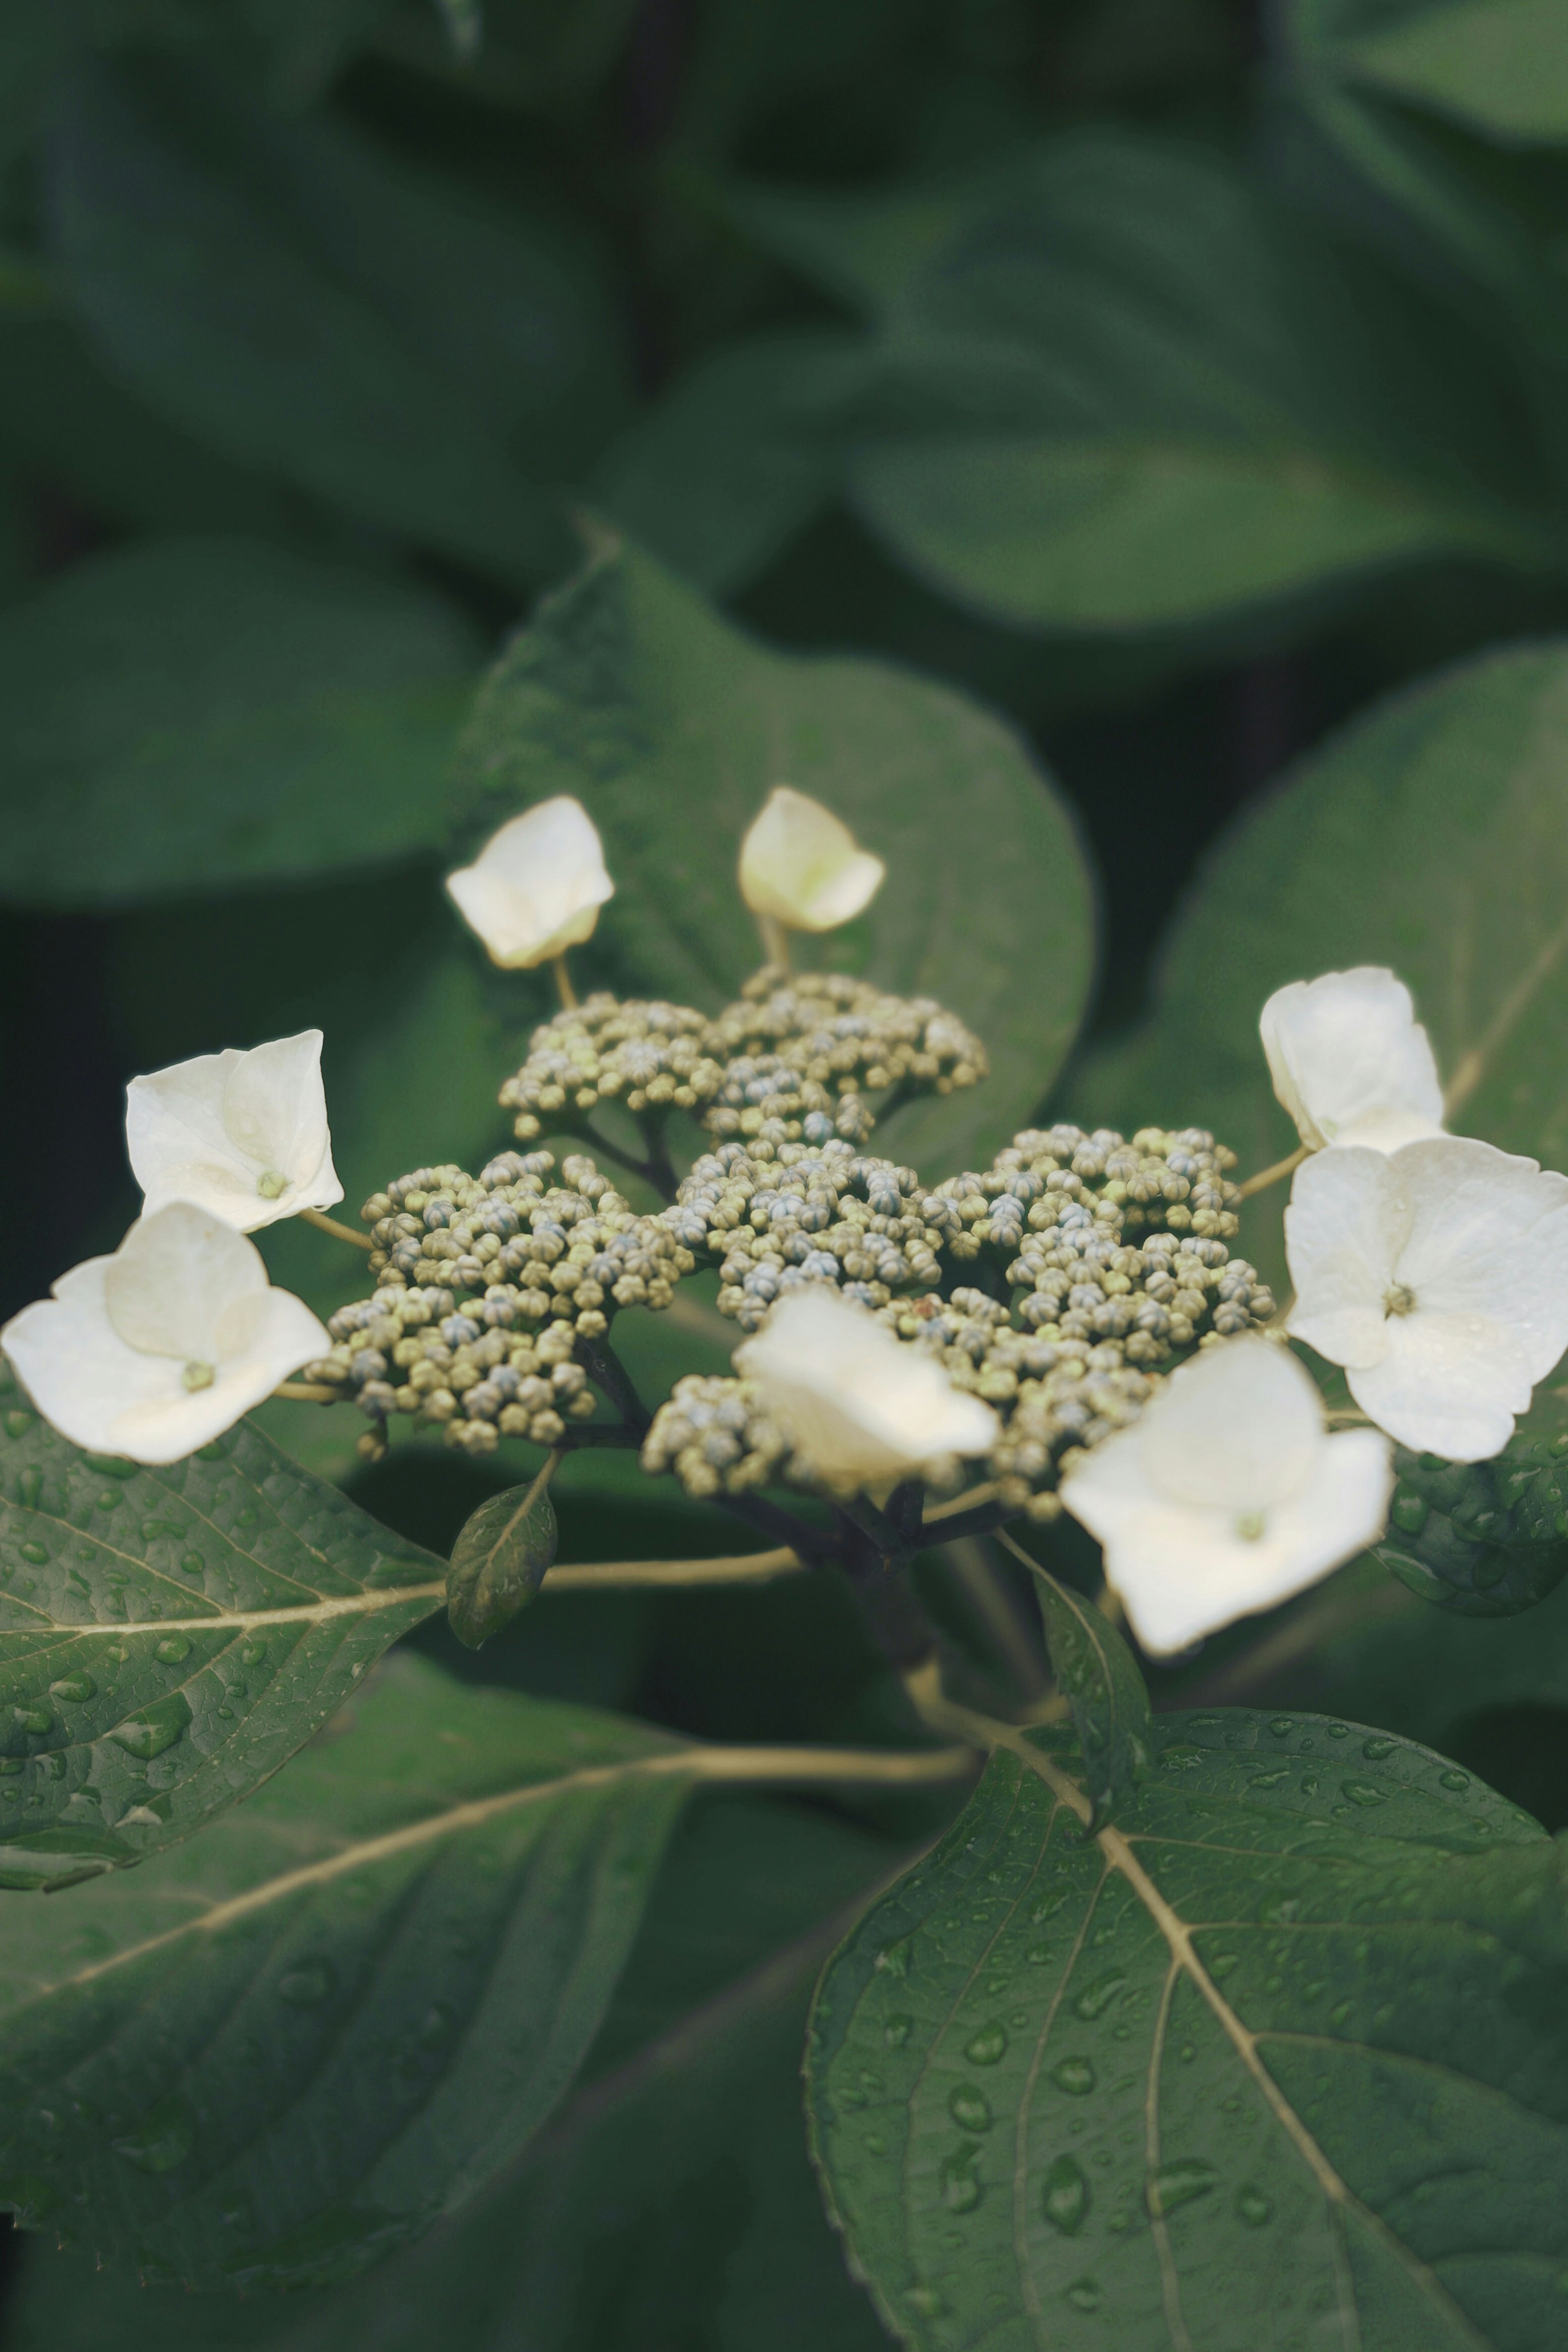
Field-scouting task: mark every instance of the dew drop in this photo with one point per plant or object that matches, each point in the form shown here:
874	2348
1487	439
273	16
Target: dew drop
1084	2294
1075	2075
1363	1792
306	1986
35	1553
253	1655
1338	1731
1096	1998
970	2108
893	1959
153	1728
1253	2207
172	1649
1453	1779
162	2141
988	2046
74	1688
1375	1751
1340	2013
897	2031
1281	1726
1178	2183
29	1486
1222	1963
962	2189
1037	1955
193	1564
18	1424
34	1720
925	2301
1065	2199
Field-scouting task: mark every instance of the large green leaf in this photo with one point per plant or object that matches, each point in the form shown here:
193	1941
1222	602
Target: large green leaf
168	1638
672	726
281	292
271	2054
1166	404
1500	66
253	717
1430	836
669	2202
1282	2060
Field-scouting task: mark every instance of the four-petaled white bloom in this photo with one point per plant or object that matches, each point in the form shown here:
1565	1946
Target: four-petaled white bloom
1437	1275
158	1349
536	887
801	865
243	1134
1350	1061
1229	1494
862	1408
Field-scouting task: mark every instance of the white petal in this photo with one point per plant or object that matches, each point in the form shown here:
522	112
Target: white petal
176	1273
1347	1054
1348	1221
1184	1573
1449	1384
208	1131
536	887
1237	1430
861	1406
1489	1238
79	1373
801	864
284	1335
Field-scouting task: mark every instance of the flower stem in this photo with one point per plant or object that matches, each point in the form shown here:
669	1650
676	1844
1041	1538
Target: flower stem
607	1372
325	1225
564	988
310	1391
775	940
623	1575
1280	1169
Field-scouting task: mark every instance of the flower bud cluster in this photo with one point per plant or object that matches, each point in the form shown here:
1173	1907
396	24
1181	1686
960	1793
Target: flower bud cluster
802	1050
718	1438
792	1060
486	1285
779	1215
651	1057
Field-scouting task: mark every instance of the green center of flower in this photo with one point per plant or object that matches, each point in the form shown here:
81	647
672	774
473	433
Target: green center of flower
197	1376
269	1184
1398	1299
1252	1527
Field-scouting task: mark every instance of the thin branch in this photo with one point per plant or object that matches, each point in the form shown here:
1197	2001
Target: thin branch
983	1521
635	1575
605	1370
846	1766
310	1391
325	1225
985	1492
1275	1175
583	1434
564	988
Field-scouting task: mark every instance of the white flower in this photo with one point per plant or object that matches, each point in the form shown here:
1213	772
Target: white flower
1350	1061
158	1349
244	1135
802	867
1437	1275
1229	1494
862	1408
536	887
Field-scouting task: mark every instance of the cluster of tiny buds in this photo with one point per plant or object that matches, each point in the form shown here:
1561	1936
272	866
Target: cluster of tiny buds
790	1061
778	1217
485	1286
717	1436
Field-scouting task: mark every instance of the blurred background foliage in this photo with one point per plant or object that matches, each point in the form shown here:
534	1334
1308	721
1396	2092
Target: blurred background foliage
1164	382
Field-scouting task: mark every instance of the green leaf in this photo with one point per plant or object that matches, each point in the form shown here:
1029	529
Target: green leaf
282	293
255	717
499	1561
1499	65
1280	2060
292	2043
1098	1676
669	2202
672	727
1166	404
1485	1539
1430	836
169	1637
738	457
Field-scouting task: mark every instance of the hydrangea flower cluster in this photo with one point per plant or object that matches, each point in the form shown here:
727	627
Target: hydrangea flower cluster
486	1285
792	1060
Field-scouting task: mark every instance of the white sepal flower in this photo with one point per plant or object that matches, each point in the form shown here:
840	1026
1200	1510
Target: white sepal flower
801	865
862	1408
156	1350
1350	1061
243	1134
536	887
1437	1275
1229	1494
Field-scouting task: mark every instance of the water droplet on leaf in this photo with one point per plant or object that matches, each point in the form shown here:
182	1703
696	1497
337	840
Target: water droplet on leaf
1178	2183
172	1649
304	1987
162	2141
1253	2207
1065	2199
74	1688
988	2046
1074	2076
970	2108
